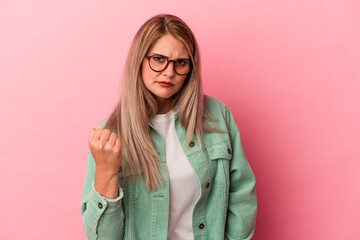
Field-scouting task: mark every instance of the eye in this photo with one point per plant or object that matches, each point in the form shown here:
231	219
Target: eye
181	62
158	58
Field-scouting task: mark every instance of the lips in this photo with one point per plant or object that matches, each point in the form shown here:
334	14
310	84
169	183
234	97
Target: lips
165	84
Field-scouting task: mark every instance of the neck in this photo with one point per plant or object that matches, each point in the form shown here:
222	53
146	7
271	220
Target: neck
164	106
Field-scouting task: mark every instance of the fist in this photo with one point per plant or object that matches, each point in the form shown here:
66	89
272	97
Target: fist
105	147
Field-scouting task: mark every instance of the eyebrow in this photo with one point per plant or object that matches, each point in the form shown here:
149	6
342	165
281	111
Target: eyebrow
166	56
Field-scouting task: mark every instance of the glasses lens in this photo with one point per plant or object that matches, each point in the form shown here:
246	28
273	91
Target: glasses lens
182	66
158	63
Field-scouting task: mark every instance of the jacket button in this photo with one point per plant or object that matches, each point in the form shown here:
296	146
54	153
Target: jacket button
201	226
229	151
120	169
207	185
192	144
100	205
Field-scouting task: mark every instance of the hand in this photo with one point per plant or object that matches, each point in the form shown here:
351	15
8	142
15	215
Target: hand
105	147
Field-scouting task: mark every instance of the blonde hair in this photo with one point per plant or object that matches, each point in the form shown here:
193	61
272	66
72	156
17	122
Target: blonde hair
130	119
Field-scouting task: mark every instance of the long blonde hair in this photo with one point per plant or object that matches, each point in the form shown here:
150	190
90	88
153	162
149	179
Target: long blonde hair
130	119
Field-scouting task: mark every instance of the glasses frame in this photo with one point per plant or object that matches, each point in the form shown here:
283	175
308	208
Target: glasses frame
167	64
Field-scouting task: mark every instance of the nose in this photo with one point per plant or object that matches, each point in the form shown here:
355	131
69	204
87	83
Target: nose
169	70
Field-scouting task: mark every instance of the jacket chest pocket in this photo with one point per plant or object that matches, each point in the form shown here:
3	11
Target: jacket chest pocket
220	155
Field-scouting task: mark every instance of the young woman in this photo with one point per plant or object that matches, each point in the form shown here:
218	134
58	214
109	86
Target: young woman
168	162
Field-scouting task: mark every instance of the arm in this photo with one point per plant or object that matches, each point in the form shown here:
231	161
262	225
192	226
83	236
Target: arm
241	217
102	218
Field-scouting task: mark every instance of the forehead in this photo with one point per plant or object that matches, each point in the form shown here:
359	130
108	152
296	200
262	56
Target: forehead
168	46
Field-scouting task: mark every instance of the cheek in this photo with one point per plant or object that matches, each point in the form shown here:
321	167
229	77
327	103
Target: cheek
147	74
182	80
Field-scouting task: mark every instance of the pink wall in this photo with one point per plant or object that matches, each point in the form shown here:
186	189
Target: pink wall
288	70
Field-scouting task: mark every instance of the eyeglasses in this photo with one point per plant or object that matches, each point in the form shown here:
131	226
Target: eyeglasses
159	63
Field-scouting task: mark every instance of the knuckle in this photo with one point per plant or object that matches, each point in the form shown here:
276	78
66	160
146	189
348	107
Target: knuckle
99	145
117	149
92	142
107	147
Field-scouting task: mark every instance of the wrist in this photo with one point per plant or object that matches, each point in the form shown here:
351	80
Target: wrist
107	184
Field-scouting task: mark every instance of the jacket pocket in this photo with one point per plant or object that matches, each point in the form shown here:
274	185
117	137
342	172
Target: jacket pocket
221	150
220	155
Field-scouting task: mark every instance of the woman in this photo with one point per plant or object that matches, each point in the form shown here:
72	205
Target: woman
168	162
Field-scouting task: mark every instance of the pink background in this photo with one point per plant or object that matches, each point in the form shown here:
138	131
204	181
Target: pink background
287	69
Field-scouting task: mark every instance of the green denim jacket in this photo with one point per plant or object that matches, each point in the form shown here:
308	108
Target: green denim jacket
227	205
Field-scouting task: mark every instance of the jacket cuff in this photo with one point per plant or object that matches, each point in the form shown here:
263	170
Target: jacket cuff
108	206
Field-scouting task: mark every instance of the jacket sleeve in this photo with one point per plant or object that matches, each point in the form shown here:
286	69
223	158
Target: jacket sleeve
241	216
102	218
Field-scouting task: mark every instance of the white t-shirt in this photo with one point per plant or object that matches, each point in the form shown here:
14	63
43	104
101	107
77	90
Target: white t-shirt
183	183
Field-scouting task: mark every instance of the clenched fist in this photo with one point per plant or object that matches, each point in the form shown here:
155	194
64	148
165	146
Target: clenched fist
105	147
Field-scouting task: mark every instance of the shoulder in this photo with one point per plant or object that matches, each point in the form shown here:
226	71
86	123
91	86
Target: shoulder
213	102
220	111
215	106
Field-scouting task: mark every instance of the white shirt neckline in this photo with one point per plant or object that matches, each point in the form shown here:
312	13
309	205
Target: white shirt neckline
165	117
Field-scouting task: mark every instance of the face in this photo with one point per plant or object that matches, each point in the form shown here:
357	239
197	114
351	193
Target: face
166	83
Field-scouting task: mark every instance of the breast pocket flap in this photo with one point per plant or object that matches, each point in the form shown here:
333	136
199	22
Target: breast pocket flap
220	151
124	174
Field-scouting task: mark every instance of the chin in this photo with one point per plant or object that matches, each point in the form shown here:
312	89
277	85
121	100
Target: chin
164	97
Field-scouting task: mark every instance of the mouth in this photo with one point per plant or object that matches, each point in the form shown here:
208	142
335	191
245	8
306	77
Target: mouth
165	84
